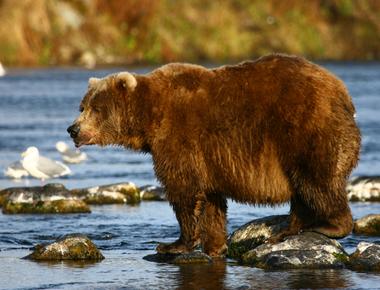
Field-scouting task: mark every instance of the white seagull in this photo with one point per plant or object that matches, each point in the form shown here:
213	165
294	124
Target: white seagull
42	167
15	170
69	155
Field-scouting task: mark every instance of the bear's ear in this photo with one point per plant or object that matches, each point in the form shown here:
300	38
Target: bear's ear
92	82
125	80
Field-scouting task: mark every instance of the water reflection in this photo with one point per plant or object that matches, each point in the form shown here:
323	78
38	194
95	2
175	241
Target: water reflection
318	279
80	264
202	276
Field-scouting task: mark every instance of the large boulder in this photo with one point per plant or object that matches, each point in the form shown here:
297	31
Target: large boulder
365	258
254	233
51	198
368	225
69	247
307	250
364	188
109	194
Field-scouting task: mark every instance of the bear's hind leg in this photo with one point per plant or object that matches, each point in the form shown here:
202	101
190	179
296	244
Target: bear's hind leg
213	226
187	213
338	225
327	208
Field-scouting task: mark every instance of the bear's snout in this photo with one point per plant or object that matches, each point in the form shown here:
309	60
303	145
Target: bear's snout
73	130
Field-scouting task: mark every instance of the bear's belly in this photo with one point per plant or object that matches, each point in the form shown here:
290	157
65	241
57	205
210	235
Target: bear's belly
257	180
268	187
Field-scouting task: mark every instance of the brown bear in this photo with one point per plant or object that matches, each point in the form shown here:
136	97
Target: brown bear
268	131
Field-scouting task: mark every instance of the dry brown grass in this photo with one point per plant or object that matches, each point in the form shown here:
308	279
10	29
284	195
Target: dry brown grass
43	32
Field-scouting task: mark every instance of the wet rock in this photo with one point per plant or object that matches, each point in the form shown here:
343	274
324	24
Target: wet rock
254	233
69	247
368	225
152	192
307	250
51	198
364	188
365	258
195	257
109	194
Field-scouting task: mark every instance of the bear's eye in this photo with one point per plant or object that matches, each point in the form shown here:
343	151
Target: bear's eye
81	109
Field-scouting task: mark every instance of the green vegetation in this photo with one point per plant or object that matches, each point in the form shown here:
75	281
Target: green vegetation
78	32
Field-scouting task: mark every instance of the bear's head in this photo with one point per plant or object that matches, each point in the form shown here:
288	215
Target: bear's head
103	118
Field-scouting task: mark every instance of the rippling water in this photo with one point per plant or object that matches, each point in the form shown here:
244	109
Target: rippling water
36	108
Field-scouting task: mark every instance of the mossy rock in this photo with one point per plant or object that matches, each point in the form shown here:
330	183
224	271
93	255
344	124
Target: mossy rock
365	258
368	225
132	195
51	198
62	206
69	247
50	189
152	193
253	234
119	193
195	257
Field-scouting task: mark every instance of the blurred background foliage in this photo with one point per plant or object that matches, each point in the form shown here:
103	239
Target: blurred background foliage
89	32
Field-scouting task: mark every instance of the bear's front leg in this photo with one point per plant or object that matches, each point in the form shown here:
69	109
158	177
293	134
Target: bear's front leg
213	226
187	211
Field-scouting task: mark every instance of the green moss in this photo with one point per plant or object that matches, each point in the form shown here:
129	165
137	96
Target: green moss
151	196
237	249
3	198
341	257
252	260
47	207
100	199
132	195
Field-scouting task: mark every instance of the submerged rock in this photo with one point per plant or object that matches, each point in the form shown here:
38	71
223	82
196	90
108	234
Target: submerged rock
365	258
195	257
51	198
152	192
254	233
69	247
364	188
109	194
368	225
307	250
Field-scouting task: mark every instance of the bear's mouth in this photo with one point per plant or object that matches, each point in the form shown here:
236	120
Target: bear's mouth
83	139
78	143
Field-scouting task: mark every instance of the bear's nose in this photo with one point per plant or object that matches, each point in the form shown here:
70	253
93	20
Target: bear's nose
73	130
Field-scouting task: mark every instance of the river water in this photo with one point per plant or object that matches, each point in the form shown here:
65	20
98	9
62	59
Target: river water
37	105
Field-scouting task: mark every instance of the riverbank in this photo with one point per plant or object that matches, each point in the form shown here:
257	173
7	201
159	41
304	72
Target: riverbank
90	33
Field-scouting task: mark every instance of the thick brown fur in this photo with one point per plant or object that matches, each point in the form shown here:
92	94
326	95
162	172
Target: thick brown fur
268	131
